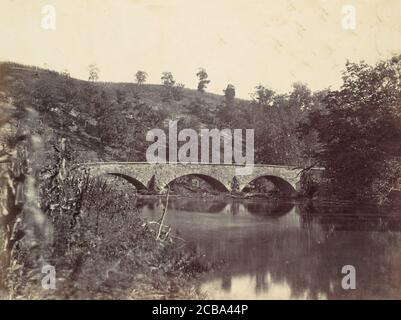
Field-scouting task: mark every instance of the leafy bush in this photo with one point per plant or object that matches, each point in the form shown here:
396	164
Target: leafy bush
359	131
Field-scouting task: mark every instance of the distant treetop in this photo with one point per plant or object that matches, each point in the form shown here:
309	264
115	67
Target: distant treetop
141	76
203	79
93	72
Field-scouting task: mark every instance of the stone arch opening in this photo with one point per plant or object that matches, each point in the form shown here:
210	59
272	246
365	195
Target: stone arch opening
214	183
281	184
135	182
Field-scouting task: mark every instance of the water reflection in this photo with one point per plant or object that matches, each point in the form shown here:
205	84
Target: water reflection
290	251
273	208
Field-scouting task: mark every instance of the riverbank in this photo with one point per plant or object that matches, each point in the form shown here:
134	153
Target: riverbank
93	239
117	266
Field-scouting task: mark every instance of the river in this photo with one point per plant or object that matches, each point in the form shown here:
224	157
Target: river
268	249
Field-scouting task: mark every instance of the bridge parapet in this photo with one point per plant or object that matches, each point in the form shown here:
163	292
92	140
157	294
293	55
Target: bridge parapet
142	174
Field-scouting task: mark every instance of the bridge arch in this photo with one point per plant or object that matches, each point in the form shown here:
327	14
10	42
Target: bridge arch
282	184
132	180
213	182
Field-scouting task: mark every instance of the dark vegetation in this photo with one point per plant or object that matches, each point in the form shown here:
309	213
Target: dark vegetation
359	133
90	232
49	121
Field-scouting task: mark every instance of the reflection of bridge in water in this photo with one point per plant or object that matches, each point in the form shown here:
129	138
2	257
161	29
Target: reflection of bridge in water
270	254
223	177
266	208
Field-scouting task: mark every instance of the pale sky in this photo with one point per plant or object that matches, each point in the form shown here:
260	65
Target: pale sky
243	42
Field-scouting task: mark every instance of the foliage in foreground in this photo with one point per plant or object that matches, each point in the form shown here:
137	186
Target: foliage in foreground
100	247
92	234
359	132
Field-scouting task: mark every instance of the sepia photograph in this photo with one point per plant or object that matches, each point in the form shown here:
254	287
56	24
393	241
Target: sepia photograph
204	151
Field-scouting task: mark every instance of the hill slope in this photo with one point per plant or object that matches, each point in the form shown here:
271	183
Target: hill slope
109	121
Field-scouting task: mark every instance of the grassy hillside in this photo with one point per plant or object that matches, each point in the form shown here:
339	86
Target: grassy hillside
109	121
151	94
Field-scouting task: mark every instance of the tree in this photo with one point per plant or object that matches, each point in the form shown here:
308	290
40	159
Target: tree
68	94
93	72
168	79
262	95
112	127
301	96
226	114
359	131
203	80
65	73
141	77
170	92
229	93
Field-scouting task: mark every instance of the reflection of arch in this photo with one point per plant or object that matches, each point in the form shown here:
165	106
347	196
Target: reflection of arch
217	207
138	184
198	206
269	209
216	184
283	185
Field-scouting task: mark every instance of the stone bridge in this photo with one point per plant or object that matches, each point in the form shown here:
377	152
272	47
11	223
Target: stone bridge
220	176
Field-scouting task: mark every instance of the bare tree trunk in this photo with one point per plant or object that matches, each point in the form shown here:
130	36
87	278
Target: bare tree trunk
163	216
